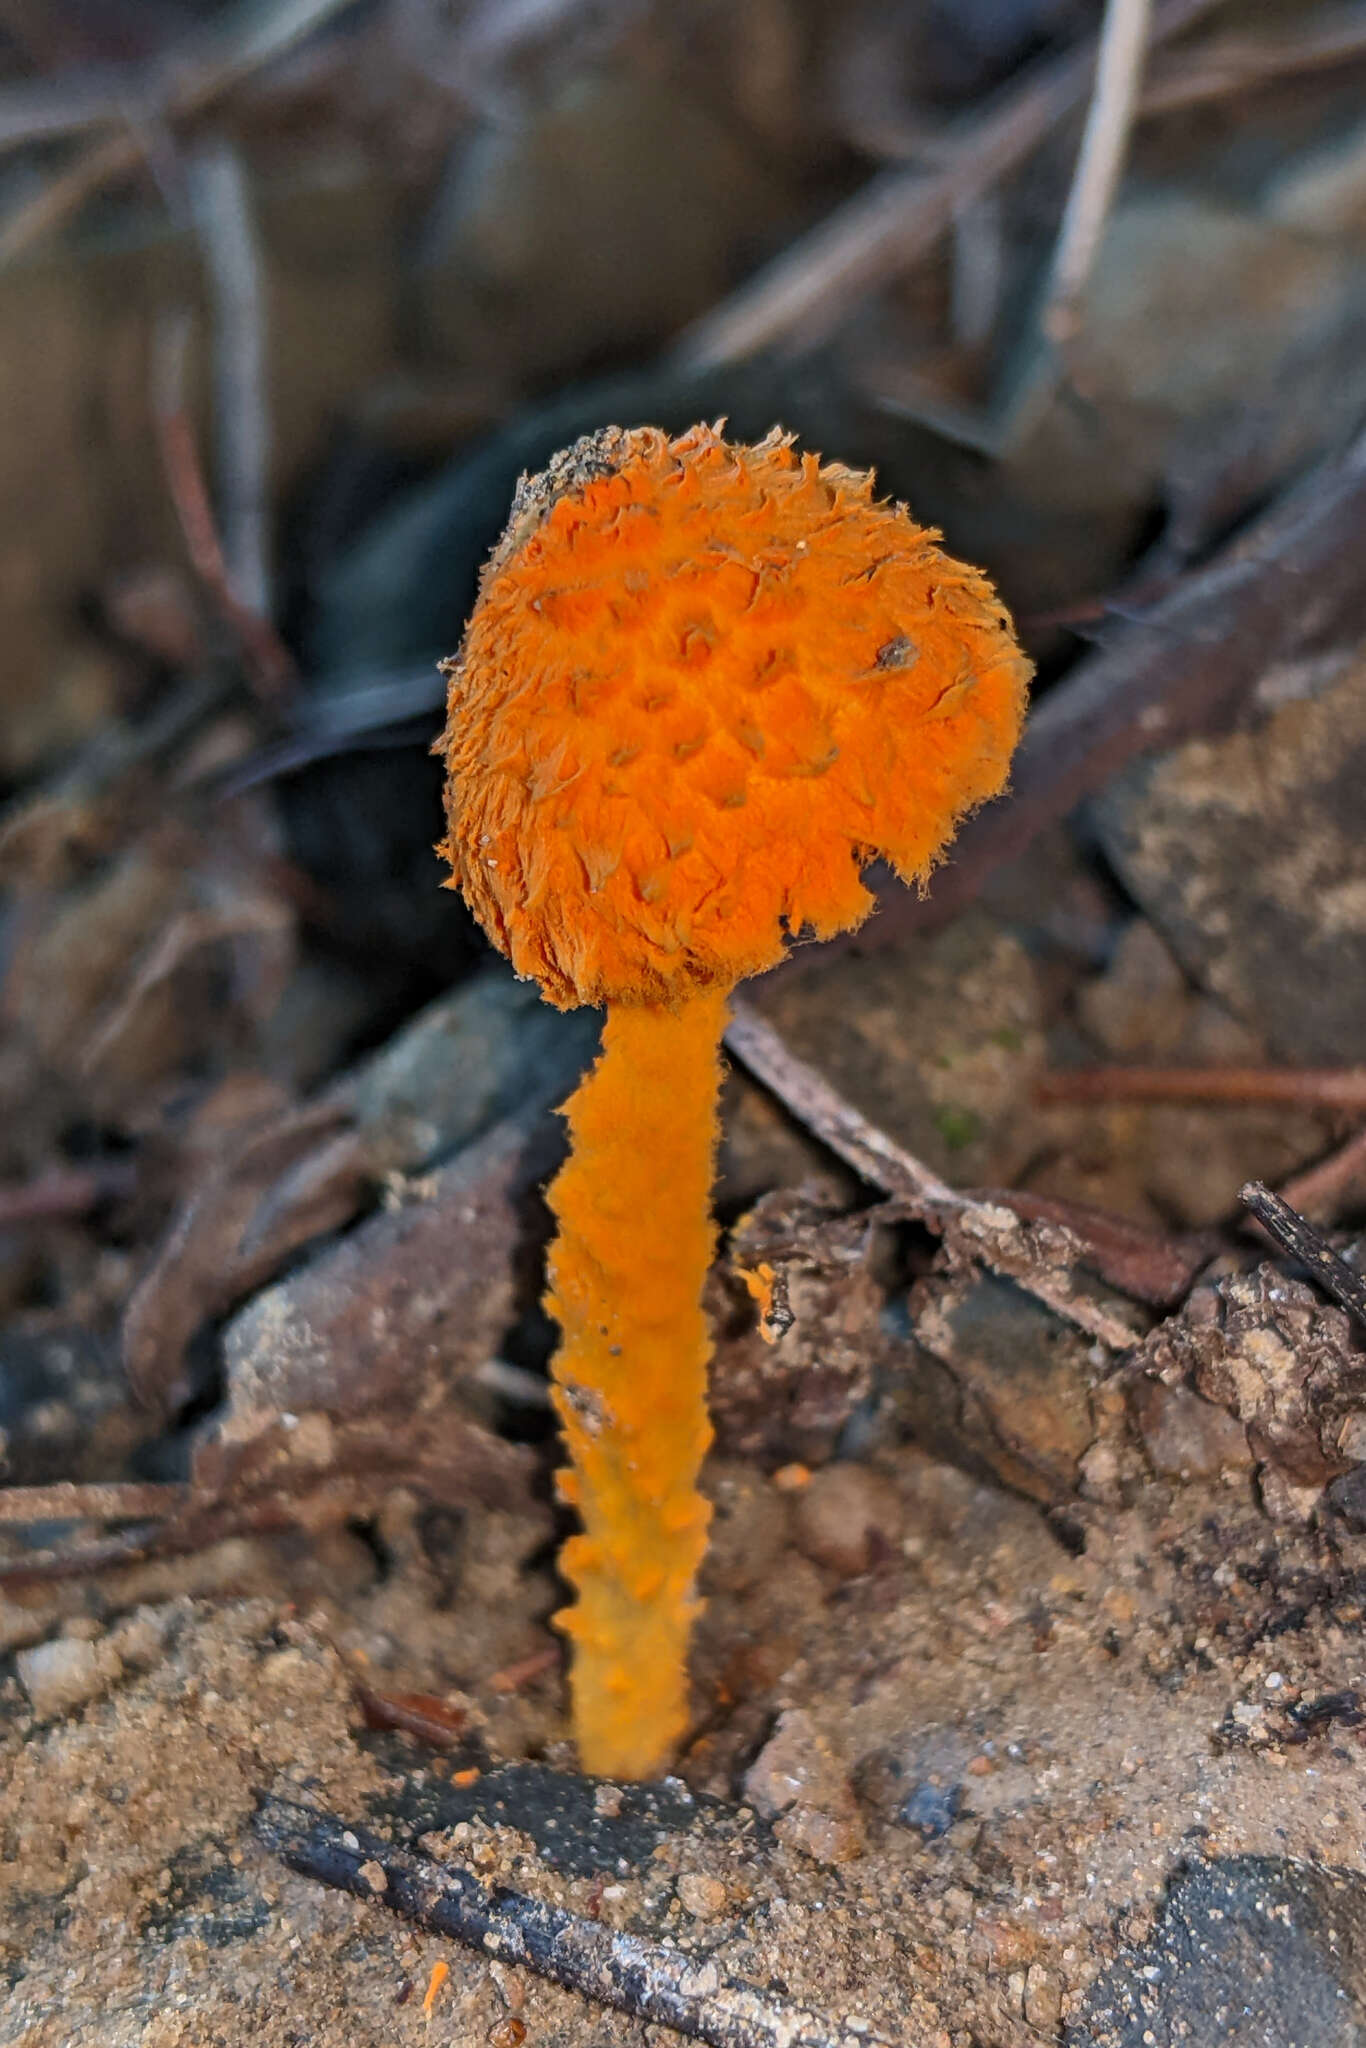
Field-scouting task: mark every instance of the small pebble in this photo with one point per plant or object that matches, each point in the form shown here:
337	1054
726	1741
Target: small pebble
703	1897
797	1780
846	1518
372	1874
66	1674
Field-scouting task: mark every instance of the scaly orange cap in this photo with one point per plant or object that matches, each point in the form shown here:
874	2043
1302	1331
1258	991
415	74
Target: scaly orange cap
702	686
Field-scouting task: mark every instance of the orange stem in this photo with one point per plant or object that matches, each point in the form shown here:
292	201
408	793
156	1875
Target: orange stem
626	1276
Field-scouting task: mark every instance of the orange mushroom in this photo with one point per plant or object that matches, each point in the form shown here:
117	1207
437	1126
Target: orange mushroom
702	686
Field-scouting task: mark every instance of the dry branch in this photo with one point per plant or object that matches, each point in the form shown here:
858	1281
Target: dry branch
1301	1087
1298	1238
804	293
1036	1254
1124	39
196	81
662	1986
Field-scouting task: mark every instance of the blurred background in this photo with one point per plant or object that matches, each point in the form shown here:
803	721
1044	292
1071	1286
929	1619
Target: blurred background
291	292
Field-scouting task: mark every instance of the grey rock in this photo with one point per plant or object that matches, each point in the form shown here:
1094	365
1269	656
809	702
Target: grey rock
999	1383
63	1406
463	1063
623	203
1247	854
1247	1952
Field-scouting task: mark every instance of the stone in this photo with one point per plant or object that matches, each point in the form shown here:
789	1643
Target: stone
937	1039
999	1380
1186	1437
797	1782
573	207
412	1298
1322	190
1347	1497
1246	852
463	1063
790	1392
917	1782
846	1518
65	1674
703	1897
1246	1952
1137	1008
1280	1361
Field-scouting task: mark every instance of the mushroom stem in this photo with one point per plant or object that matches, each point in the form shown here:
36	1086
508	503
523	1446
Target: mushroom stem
626	1275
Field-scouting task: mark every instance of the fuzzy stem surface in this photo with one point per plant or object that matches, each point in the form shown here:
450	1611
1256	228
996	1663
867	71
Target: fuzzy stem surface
636	1238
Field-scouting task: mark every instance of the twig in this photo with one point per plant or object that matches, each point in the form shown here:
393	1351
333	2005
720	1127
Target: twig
1237	63
1320	1189
1141	1263
845	1130
899	214
268	659
41	109
65	1193
101	1501
197	83
1033	1254
978	277
513	1677
1124	39
642	1978
1297	1236
227	237
1309	1087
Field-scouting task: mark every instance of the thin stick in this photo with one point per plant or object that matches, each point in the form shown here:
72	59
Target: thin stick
1320	1189
227	237
262	39
65	1193
1124	41
642	1978
1238	63
845	1130
1309	1087
268	659
1297	1236
102	1501
41	109
899	215
987	1231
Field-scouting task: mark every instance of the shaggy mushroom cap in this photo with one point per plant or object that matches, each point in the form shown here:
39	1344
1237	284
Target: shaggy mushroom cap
703	685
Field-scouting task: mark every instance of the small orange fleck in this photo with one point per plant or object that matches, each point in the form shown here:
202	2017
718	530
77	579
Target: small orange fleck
792	1478
759	1280
440	1972
465	1777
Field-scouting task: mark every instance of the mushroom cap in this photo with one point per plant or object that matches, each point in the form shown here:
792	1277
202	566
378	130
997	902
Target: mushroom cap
702	686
